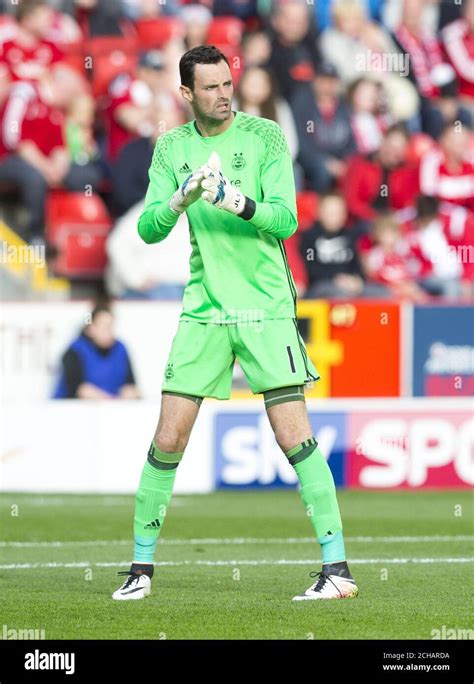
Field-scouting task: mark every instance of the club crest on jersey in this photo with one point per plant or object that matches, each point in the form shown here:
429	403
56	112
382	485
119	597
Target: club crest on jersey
169	371
238	161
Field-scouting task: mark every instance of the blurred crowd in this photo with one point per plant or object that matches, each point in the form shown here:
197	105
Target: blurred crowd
375	98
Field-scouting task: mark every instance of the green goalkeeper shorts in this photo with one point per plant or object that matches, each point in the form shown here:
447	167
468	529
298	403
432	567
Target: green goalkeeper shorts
271	353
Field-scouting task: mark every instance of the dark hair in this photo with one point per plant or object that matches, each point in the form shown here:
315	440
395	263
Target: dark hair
426	207
333	192
100	307
398	128
27	7
203	54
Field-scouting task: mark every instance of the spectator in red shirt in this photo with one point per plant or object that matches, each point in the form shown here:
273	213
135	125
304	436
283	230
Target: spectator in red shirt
382	181
130	113
386	263
28	55
458	39
434	78
447	171
33	154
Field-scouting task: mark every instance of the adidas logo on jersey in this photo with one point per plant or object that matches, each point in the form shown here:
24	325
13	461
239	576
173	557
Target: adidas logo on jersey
185	168
153	525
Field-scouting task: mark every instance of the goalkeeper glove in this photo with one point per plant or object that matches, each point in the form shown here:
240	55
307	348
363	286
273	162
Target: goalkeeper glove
218	189
188	192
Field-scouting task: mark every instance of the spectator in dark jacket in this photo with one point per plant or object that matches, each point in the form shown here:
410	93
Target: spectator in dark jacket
323	121
97	17
97	366
330	255
294	56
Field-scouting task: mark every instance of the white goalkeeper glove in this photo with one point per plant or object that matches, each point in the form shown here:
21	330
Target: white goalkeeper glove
188	192
217	189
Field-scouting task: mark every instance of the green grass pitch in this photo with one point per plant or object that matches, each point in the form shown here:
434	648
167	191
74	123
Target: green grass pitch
230	562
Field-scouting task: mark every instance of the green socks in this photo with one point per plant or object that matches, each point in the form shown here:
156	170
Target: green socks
152	500
318	493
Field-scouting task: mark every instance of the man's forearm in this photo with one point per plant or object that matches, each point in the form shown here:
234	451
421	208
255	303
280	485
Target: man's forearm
156	222
274	219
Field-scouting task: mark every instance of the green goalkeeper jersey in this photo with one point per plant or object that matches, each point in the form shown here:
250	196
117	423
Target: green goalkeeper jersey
238	267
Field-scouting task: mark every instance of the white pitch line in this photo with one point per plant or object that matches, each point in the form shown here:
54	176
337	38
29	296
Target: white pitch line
309	561
236	541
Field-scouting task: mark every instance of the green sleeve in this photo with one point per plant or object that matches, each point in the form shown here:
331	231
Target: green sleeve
157	219
276	215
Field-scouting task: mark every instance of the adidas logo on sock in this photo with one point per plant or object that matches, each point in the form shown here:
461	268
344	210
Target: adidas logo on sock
153	525
185	168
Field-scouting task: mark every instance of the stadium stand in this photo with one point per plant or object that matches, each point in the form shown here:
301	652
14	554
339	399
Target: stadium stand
307	64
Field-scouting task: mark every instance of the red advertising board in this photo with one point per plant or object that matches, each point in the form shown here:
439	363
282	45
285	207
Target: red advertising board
355	346
410	449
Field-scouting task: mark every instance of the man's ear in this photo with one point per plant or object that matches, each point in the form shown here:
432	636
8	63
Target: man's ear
186	93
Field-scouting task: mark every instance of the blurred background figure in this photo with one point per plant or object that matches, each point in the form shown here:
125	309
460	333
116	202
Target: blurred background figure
149	9
130	172
324	129
381	181
133	100
257	94
140	271
447	171
97	17
29	54
256	49
369	119
33	152
79	127
458	42
294	53
385	261
358	47
137	270
433	77
97	366
439	271
196	21
331	258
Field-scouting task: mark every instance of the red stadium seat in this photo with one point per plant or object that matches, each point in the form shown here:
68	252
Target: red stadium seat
107	67
104	45
109	57
78	227
83	255
307	207
155	33
225	31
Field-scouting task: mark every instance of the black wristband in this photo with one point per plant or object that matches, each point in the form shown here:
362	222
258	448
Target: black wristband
249	209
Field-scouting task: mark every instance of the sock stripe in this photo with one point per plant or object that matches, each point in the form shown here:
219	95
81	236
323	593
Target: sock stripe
302	451
161	465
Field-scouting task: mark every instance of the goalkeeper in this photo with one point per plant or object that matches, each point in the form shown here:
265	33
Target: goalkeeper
232	174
